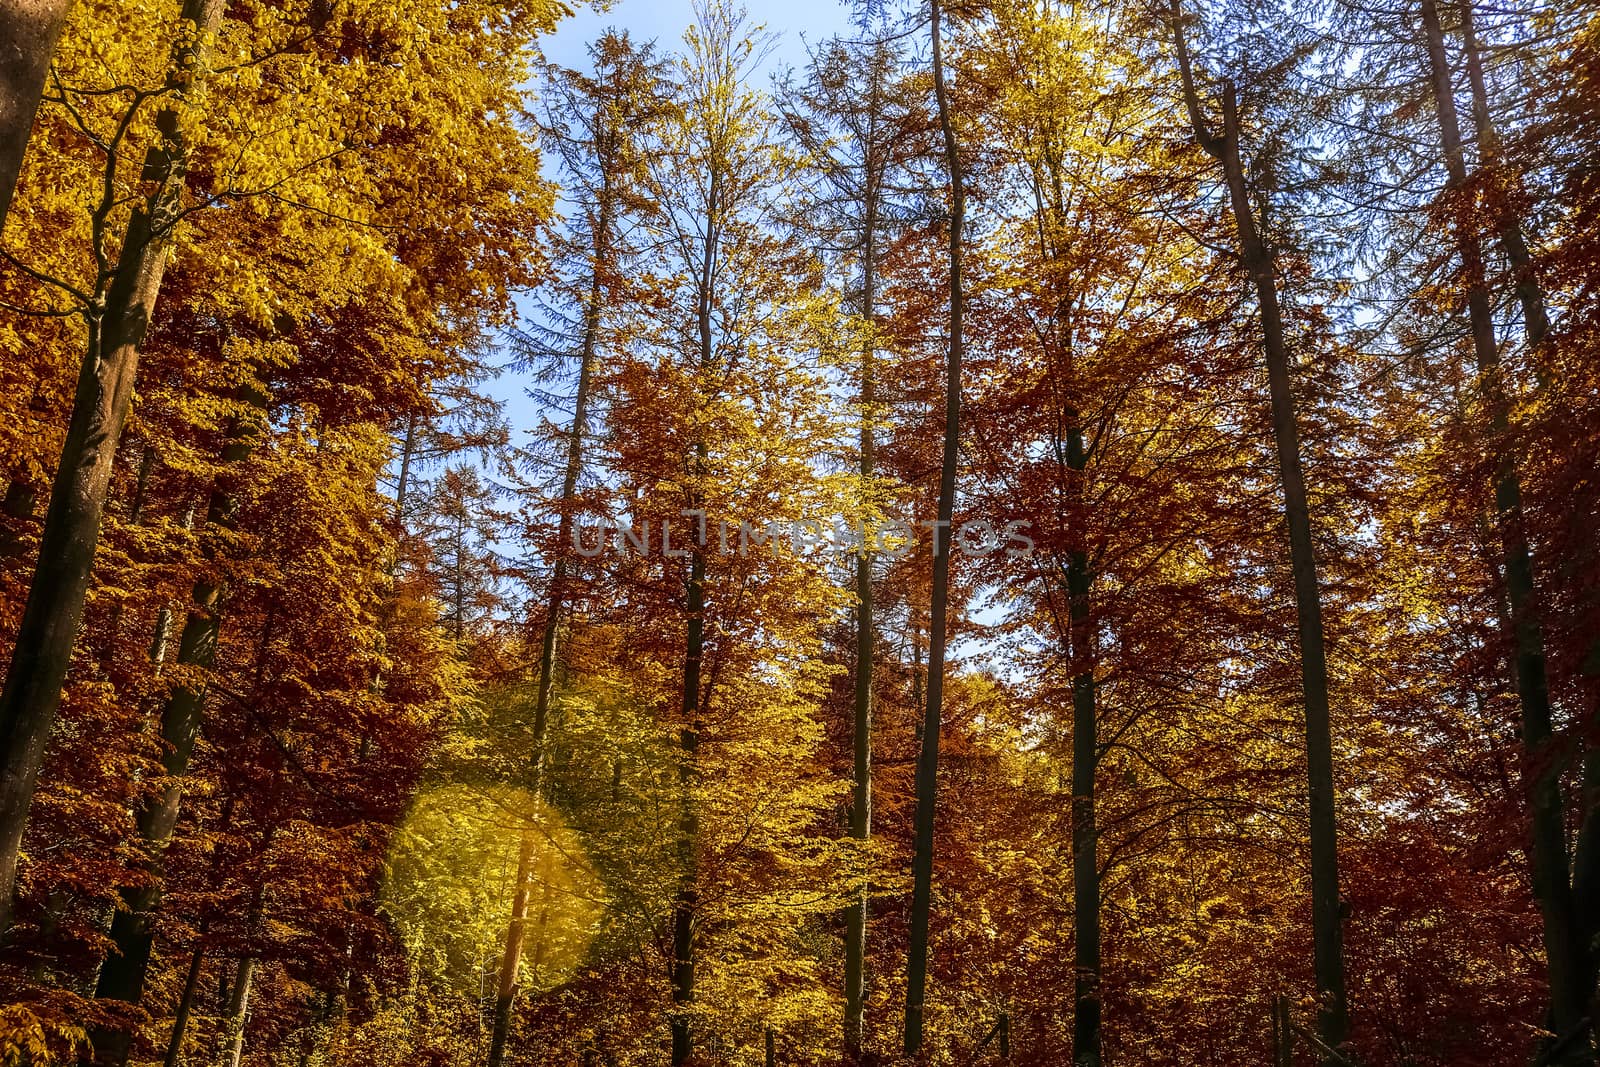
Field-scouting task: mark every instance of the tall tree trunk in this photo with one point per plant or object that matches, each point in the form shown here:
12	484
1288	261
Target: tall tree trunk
1536	326
43	649
161	639
32	29
855	934
1586	858
239	997
685	904
1257	259
402	487
928	757
511	957
1085	761
1565	952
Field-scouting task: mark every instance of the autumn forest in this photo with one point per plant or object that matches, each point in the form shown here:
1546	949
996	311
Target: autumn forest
1044	532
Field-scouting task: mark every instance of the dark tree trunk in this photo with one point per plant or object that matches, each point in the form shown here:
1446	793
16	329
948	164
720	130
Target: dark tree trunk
511	958
855	933
1085	831
928	758
191	982
43	649
180	1022
685	904
1565	952
1257	259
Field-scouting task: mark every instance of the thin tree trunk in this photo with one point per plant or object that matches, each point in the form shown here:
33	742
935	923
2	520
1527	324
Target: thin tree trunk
1085	761
191	982
511	957
685	904
928	757
1566	954
1282	1034
855	936
1586	858
1257	259
180	1022
43	649
1086	1019
239	998
402	487
161	640
32	29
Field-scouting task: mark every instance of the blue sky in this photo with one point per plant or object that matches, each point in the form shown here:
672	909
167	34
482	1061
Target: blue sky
792	22
665	21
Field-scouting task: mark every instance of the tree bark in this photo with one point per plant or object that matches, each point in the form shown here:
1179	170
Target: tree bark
928	757
180	1022
1586	858
511	958
685	904
1085	830
1565	952
1258	261
238	1012
33	27
50	621
855	936
1536	326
